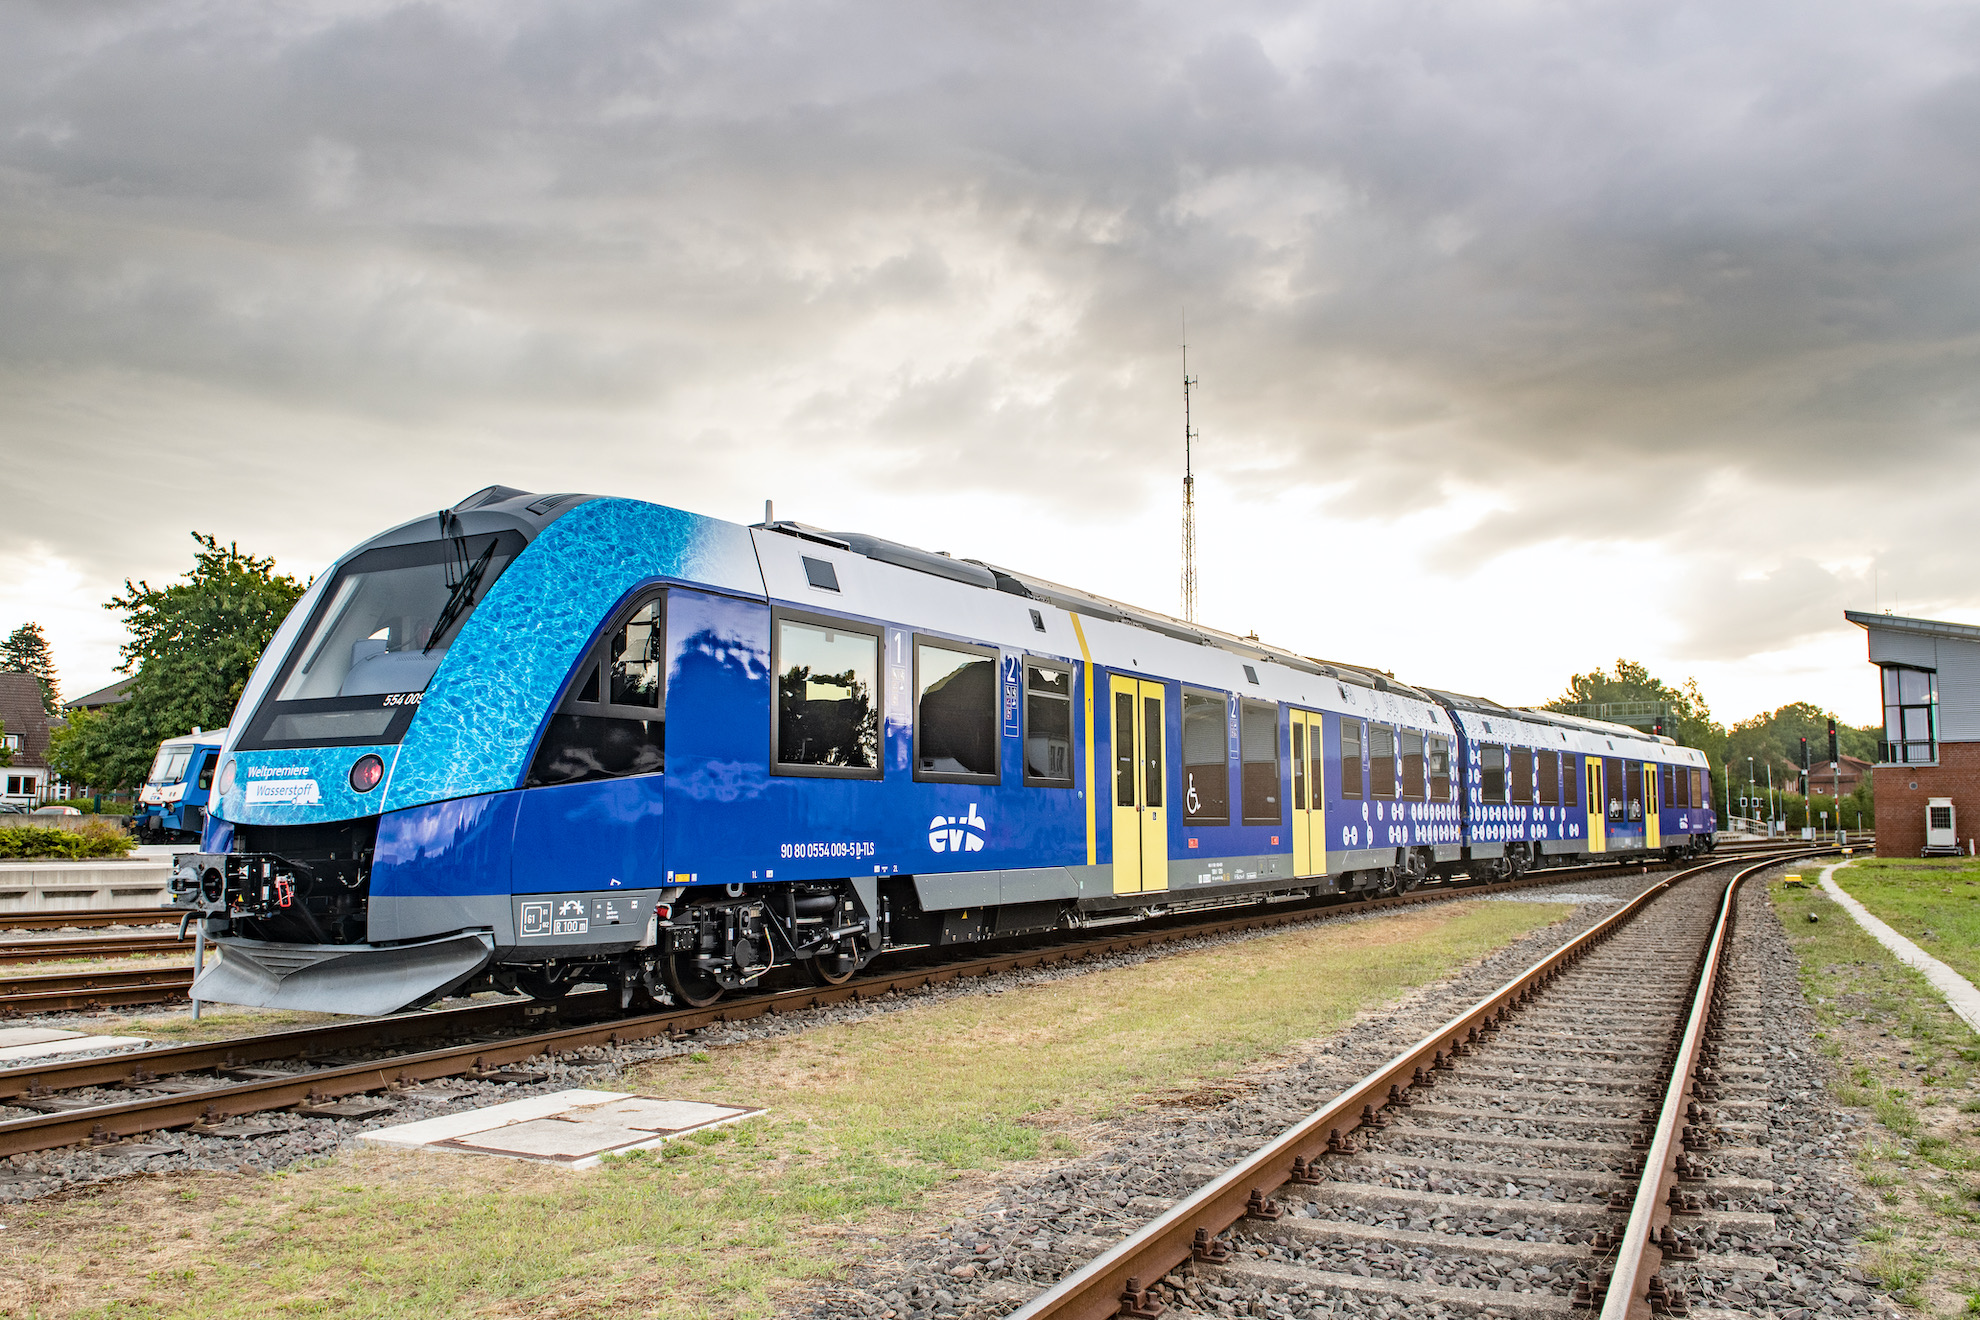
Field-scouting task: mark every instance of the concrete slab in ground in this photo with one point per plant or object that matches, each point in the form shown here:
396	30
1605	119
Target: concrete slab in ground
572	1128
42	1042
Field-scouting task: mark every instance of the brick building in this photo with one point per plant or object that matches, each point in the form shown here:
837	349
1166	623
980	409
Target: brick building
1929	673
26	778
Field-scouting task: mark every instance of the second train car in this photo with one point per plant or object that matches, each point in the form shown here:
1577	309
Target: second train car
539	740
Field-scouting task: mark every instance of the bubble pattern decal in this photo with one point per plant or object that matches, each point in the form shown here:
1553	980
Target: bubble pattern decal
481	713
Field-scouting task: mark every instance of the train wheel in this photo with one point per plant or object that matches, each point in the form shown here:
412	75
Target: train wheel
832	968
538	986
691	987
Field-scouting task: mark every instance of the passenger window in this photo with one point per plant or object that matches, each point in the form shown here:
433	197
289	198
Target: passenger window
1522	776
614	728
1258	749
1047	725
1348	743
1550	779
1570	776
1633	780
1151	760
1206	760
1612	789
955	723
1412	766
1440	769
1381	761
1492	768
1698	789
828	709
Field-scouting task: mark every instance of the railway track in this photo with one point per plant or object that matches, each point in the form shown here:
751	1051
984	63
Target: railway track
16	952
82	992
1558	1148
90	919
105	1098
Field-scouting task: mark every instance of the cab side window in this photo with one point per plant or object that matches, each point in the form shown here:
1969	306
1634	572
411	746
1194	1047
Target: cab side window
206	770
613	722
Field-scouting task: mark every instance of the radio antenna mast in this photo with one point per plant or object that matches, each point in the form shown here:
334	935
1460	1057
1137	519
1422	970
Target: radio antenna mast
1189	490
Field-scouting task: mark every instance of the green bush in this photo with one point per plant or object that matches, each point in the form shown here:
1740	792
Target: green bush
96	838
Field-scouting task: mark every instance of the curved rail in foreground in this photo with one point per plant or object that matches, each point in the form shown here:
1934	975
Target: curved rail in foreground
1113	1283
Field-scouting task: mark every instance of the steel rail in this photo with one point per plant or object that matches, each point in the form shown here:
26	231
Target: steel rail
89	918
1640	1257
1114	1282
102	1123
91	990
132	946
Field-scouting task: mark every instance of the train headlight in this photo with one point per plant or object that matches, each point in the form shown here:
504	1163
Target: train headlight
227	777
367	772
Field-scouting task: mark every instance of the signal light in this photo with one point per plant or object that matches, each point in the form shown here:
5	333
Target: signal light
367	772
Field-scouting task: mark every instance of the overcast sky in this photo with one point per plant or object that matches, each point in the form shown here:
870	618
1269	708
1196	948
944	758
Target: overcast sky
1529	334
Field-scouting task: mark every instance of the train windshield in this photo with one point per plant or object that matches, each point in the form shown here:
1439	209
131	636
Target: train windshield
170	767
376	640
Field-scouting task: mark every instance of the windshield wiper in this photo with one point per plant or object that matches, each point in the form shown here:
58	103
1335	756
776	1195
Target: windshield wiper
459	598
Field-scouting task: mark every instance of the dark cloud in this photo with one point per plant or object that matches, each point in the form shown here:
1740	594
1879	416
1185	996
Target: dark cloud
1666	276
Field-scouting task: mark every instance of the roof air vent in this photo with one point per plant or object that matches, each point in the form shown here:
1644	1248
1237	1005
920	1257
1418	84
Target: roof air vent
820	573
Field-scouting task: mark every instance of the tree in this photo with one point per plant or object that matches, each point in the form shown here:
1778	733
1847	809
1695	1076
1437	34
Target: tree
1773	738
193	645
26	652
1691	723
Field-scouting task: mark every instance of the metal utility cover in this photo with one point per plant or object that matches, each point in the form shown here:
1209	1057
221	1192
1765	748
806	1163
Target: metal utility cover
573	1128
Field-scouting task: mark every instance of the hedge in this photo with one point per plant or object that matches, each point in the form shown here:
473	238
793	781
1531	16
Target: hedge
46	841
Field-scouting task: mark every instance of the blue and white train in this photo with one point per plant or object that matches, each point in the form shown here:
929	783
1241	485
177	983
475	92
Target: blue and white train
542	740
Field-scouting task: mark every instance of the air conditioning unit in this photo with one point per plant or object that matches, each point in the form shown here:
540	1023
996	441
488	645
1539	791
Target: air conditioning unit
1941	829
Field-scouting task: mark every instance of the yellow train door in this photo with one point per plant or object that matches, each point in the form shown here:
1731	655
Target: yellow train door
1141	829
1598	805
1653	825
1309	799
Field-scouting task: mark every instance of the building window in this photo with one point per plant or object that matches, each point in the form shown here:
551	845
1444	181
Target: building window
11	741
1381	761
613	722
1522	776
1206	762
1258	750
1492	774
1910	699
828	709
1412	765
1047	725
955	716
1550	779
1440	769
1347	741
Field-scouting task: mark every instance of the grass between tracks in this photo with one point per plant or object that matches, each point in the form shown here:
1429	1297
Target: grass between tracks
871	1125
1911	1069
